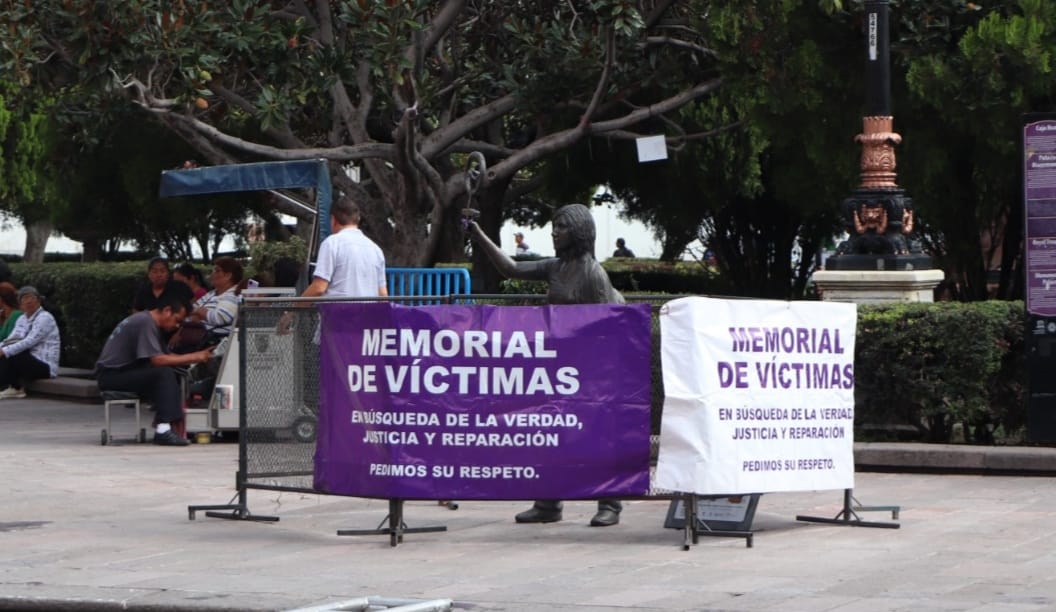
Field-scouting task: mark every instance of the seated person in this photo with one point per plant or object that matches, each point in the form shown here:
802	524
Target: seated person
621	249
218	308
522	247
9	312
158	282
134	359
32	350
190	275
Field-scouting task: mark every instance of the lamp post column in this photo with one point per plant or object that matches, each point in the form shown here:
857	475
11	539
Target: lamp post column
878	214
880	261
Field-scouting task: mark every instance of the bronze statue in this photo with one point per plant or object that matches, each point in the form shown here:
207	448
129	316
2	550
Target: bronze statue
574	277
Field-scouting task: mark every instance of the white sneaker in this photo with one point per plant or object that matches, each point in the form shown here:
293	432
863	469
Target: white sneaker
12	393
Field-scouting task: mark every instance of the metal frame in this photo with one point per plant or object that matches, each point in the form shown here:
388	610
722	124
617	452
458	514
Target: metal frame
262	176
132	401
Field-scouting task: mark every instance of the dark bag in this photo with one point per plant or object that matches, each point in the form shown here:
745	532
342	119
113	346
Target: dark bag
190	337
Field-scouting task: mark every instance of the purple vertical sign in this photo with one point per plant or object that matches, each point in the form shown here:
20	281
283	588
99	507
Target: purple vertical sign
1039	193
484	402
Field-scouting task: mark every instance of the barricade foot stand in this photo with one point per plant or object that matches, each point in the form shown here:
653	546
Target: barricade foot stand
694	528
238	511
396	527
849	514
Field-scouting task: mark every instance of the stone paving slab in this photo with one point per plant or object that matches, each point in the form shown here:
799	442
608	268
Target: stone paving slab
90	527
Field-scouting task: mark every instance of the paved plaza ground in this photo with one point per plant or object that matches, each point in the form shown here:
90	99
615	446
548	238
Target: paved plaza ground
90	527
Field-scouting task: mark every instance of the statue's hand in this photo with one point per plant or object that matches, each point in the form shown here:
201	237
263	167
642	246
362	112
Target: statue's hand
469	219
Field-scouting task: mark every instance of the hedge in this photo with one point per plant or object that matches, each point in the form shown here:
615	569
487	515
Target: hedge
919	367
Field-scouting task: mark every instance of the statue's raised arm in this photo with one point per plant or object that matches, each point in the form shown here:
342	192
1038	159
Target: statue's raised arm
574	276
506	265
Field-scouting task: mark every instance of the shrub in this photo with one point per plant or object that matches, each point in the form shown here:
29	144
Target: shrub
933	365
87	299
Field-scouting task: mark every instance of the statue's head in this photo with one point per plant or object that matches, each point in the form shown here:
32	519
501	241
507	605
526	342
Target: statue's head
573	231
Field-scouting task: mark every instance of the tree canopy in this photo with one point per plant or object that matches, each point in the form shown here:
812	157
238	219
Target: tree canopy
405	89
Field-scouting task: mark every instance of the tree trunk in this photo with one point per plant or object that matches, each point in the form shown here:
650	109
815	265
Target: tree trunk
486	279
37	234
91	250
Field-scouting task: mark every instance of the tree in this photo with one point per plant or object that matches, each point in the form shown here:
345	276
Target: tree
971	71
95	179
791	100
30	174
404	88
760	167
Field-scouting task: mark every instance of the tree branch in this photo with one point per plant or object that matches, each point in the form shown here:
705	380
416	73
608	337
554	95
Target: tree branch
559	140
603	81
678	42
519	189
657	13
677	139
343	153
680	99
283	134
444	19
326	22
446	136
142	95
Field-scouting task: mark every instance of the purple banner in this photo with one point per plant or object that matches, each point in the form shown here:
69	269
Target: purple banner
484	402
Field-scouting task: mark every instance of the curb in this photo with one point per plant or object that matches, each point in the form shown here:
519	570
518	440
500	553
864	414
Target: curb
955	458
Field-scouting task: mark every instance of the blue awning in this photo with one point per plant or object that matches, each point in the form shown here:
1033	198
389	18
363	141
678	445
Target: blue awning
261	176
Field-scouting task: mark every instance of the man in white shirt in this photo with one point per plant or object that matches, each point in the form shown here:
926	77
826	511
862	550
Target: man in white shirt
32	350
349	263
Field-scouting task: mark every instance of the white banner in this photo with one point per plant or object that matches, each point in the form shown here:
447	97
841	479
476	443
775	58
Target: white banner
759	396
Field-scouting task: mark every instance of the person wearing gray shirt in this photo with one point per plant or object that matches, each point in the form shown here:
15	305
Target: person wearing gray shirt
134	359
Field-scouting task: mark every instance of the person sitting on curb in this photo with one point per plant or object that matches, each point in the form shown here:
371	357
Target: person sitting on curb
134	359
32	350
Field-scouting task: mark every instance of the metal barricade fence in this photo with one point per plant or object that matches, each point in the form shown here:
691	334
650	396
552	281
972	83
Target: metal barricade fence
280	384
279	399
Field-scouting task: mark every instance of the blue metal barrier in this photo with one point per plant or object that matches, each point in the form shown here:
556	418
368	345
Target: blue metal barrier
427	282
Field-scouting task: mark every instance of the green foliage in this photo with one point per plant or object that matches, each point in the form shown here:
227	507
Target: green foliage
933	365
264	254
87	300
660	277
31	182
116	179
515	286
970	71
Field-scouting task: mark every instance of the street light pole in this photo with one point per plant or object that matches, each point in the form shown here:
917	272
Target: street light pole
878	214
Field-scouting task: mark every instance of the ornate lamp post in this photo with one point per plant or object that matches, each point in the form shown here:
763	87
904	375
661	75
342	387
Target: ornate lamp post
878	214
880	261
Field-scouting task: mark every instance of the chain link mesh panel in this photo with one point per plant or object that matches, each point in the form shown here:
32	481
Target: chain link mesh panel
280	388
